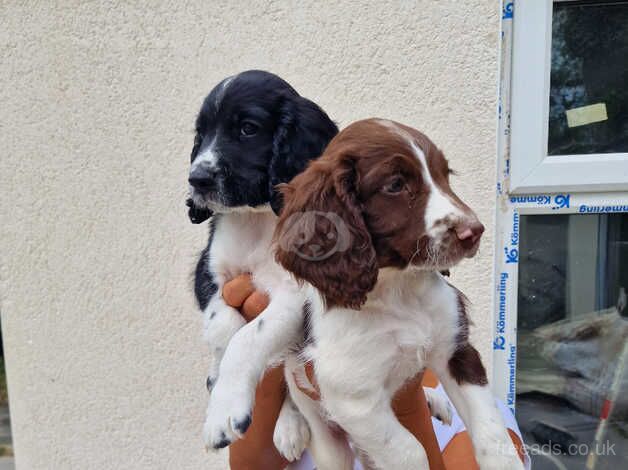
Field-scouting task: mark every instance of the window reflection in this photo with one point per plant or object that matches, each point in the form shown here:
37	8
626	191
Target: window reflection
589	78
572	332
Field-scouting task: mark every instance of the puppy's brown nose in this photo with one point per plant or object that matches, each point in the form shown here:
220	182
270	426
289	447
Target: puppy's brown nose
469	233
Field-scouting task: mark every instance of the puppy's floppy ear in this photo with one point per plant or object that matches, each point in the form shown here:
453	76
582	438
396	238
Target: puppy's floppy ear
319	202
197	215
303	132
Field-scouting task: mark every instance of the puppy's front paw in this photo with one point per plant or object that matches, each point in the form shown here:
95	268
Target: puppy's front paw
228	417
440	408
292	433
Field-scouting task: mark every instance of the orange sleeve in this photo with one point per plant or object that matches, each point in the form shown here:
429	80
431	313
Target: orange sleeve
410	407
459	454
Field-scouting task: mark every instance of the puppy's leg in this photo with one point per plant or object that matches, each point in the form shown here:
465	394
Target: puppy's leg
292	433
464	379
250	351
375	430
220	323
439	405
329	451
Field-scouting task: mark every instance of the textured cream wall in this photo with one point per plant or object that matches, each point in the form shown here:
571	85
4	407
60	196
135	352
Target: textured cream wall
97	103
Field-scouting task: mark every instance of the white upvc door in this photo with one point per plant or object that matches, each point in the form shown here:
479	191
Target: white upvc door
561	258
532	169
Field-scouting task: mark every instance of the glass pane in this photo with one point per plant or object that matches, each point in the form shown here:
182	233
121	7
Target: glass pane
6	446
589	78
572	337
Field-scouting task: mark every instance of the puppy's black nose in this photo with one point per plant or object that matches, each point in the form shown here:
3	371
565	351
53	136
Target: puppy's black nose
202	178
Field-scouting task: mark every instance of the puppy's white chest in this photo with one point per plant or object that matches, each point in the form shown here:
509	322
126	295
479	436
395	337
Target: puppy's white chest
242	244
393	336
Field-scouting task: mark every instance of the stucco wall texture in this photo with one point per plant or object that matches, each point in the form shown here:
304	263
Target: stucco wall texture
102	337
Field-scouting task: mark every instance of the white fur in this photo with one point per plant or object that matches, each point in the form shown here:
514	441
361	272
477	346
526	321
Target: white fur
329	451
241	243
207	158
292	433
439	406
240	353
219	208
409	322
221	93
220	323
440	206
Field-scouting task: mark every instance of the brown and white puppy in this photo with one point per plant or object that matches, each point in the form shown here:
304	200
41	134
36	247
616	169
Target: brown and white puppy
368	226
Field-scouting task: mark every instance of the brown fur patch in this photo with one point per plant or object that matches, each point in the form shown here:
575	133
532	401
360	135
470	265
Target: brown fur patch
370	182
465	365
304	234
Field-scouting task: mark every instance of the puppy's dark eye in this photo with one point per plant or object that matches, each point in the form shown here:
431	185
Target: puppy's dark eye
248	128
395	186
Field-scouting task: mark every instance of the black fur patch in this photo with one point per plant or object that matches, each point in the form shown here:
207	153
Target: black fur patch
303	132
204	285
209	383
283	132
197	215
224	442
242	426
307	323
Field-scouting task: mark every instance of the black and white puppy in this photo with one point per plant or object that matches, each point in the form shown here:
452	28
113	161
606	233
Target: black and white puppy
253	132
